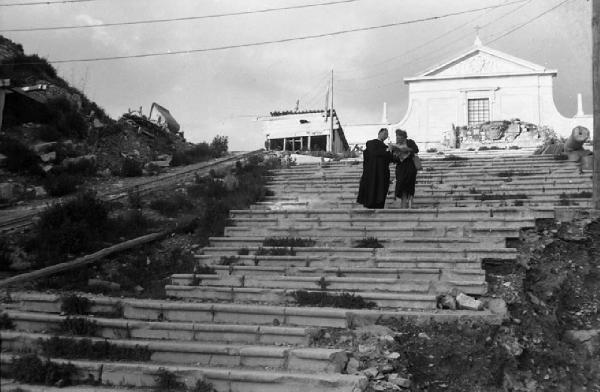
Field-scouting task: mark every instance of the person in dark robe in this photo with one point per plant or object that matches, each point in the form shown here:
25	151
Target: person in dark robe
375	179
406	173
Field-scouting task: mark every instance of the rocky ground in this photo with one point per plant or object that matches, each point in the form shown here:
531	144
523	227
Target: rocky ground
549	340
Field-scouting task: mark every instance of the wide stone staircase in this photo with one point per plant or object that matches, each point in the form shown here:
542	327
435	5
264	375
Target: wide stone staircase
236	322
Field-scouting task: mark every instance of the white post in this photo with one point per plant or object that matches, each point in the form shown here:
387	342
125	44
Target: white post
309	143
284	143
579	105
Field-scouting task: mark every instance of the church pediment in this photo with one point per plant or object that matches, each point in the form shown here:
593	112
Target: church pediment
482	61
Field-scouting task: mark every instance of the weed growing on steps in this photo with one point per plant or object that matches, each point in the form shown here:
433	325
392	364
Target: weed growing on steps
204	270
203	386
70	348
30	369
6	322
79	326
288	241
369	242
513	173
275	251
322	298
243	251
167	381
453	157
229	260
491	196
74	304
582	194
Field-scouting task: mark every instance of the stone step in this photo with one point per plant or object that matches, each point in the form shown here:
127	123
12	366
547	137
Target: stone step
458	202
388	239
443	161
326	254
452	175
172	330
222	379
330	234
318	360
429	274
388	213
243	314
447	171
411	219
572	190
451	261
333	284
285	296
7	385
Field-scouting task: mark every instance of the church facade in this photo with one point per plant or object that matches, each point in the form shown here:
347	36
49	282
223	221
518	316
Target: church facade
481	85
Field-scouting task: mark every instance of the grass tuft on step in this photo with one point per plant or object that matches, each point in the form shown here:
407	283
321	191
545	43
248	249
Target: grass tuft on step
324	299
288	241
369	242
70	348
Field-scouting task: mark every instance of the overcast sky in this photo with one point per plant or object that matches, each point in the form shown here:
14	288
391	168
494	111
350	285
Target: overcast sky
221	92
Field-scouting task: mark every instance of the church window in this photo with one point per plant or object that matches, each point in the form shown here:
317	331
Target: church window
479	111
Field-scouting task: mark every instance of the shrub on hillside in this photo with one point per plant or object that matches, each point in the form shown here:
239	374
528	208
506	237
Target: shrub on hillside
62	184
22	67
131	168
64	116
69	228
19	157
219	146
170	206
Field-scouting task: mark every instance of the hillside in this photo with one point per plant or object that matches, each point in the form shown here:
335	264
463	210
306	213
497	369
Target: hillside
54	139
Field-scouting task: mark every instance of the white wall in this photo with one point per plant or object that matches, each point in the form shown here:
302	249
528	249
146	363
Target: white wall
434	105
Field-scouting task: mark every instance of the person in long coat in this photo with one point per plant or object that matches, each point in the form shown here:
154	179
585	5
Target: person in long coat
406	172
375	179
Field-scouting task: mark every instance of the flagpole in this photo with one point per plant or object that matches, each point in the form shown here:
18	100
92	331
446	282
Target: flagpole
331	144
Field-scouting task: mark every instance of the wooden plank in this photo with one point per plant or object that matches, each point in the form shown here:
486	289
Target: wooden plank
84	260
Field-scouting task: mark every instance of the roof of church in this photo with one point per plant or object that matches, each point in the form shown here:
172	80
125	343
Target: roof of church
481	61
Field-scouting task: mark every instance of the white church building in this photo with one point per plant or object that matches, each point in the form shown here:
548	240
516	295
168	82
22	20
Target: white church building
479	85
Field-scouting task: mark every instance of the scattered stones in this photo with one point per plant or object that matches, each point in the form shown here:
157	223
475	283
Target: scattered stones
496	306
446	302
48	157
395	379
469	303
393	355
352	366
43	148
371	372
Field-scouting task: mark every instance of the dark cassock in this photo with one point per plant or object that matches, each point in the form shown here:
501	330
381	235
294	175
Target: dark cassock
375	179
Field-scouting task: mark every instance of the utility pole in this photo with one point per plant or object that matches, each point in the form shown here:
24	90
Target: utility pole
596	98
331	113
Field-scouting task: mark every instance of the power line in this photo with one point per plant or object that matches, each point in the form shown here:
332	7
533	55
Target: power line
44	3
495	39
262	43
443	35
529	21
185	18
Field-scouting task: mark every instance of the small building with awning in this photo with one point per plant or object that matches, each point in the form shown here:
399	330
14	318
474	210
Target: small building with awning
308	130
